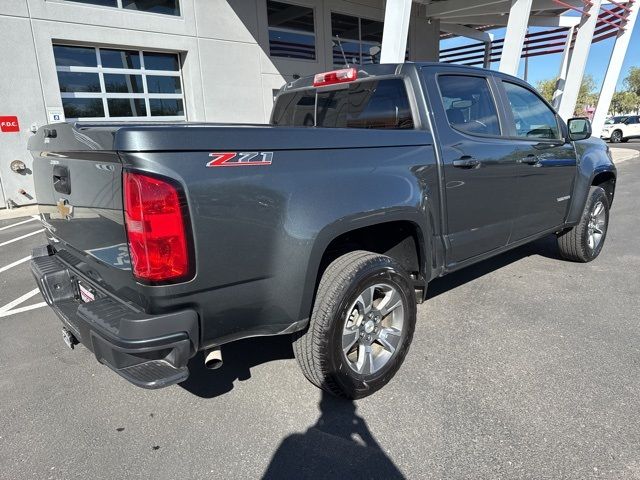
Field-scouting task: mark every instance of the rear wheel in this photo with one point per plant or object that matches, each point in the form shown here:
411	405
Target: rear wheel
584	242
361	326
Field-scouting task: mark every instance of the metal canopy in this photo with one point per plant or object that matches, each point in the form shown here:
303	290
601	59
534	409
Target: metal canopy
590	21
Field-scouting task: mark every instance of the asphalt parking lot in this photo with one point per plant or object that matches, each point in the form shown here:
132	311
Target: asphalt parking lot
524	366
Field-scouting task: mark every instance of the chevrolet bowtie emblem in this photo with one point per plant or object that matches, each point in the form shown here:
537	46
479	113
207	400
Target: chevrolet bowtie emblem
65	210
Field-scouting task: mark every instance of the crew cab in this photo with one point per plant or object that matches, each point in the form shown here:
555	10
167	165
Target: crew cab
164	240
621	129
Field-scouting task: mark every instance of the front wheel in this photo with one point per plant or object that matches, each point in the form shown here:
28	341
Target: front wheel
616	137
361	325
584	242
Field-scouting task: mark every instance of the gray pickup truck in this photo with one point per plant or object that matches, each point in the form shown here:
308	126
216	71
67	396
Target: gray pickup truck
165	240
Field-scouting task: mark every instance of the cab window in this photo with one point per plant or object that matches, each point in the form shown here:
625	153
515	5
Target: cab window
532	117
371	104
469	105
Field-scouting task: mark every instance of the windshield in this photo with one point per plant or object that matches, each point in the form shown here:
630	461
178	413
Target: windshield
613	120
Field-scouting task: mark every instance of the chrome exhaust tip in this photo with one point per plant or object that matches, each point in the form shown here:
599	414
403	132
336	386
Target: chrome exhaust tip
213	358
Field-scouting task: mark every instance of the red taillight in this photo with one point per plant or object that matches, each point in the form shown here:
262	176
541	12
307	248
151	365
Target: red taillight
155	229
336	76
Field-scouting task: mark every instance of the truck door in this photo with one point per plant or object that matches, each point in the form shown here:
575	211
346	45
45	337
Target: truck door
478	164
546	163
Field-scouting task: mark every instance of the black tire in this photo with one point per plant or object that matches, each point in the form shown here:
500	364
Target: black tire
574	243
319	349
616	136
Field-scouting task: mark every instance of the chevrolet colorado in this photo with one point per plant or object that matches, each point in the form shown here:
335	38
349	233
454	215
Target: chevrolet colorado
169	239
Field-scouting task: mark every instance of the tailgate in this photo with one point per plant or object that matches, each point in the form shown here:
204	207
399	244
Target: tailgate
78	183
80	199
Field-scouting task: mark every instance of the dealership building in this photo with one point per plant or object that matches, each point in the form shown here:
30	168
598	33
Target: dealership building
224	60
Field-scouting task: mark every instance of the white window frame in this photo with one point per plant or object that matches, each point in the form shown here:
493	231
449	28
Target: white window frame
297	32
120	7
104	95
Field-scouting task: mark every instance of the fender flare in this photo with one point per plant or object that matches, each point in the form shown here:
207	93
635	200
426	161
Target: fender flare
342	226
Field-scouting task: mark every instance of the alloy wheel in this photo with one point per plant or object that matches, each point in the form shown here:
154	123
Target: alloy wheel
373	328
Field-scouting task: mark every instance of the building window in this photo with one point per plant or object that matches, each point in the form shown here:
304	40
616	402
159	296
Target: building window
114	84
165	7
291	31
356	41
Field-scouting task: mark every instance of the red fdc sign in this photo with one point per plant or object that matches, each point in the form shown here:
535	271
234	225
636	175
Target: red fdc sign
9	124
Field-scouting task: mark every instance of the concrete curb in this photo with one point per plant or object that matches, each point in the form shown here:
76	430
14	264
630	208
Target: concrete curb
18	212
623	154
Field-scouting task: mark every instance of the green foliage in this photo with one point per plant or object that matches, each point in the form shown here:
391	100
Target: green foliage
632	80
624	102
546	88
586	95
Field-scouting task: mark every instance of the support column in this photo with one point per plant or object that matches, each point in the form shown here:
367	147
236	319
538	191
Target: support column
464	31
514	36
613	70
396	28
424	41
578	62
564	68
486	61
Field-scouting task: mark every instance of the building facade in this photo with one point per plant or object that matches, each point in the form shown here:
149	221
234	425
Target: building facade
223	60
158	60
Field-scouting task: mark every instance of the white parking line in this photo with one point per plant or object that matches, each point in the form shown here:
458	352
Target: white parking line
5	311
31	219
20	238
17	262
23	309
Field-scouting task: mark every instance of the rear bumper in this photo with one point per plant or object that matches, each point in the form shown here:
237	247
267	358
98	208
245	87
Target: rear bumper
150	351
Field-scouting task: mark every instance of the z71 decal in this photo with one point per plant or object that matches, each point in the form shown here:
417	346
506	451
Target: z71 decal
241	159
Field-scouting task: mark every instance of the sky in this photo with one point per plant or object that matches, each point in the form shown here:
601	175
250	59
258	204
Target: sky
547	66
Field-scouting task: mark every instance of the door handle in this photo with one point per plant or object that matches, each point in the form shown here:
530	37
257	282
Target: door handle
530	159
466	161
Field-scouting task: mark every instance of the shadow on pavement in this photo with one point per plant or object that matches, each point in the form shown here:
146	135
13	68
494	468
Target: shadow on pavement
239	358
545	247
339	445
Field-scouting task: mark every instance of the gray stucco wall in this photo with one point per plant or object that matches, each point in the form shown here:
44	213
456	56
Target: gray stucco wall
227	73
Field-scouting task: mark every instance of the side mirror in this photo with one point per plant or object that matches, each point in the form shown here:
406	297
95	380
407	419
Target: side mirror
579	128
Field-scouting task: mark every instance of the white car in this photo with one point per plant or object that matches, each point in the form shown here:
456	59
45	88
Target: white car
621	129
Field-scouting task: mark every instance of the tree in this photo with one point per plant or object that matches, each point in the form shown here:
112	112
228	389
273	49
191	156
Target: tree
632	81
586	95
624	102
547	88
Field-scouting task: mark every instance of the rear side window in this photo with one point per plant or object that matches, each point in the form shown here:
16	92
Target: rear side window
469	104
295	109
381	104
531	116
